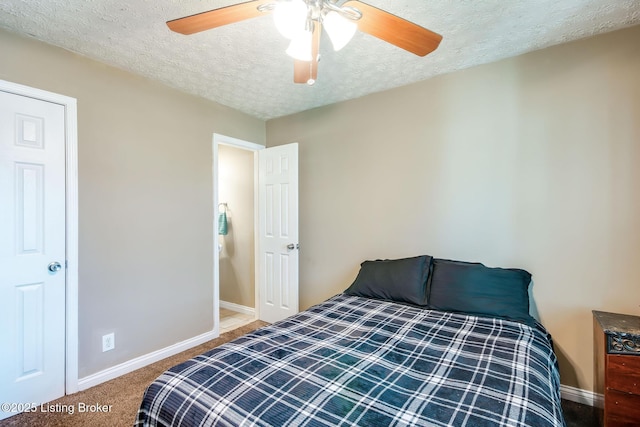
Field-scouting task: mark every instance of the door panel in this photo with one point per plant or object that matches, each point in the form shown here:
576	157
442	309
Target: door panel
278	239
32	236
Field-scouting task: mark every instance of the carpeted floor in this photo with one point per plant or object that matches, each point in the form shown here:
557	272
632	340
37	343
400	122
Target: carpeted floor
577	415
124	394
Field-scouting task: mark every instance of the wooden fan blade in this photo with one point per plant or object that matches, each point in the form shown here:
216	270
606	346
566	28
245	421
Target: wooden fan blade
218	17
395	30
304	71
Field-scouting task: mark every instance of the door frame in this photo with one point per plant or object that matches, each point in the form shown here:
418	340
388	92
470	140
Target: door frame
71	221
218	140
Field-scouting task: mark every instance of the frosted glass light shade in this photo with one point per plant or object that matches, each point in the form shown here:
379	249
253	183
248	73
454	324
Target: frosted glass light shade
290	17
300	47
339	29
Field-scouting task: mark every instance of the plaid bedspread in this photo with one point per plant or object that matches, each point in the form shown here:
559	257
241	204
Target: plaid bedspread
357	361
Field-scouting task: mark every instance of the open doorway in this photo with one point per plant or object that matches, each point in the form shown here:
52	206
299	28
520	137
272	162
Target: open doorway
235	224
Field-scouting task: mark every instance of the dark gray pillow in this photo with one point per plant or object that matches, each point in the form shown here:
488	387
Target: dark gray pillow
476	289
401	280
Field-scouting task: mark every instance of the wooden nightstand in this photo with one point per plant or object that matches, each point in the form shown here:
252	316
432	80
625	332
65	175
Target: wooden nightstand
617	367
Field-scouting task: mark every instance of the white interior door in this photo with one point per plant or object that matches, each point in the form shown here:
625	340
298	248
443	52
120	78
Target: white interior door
32	251
278	232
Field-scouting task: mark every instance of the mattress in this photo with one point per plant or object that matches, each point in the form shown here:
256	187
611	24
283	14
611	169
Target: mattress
360	361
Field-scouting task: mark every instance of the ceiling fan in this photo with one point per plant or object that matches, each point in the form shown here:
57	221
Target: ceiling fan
302	21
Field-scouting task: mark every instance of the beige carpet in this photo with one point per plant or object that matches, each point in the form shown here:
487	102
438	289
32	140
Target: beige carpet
123	394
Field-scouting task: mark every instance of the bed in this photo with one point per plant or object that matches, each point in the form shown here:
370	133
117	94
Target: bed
381	353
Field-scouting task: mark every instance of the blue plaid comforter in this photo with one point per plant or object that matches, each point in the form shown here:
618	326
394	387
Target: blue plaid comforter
357	361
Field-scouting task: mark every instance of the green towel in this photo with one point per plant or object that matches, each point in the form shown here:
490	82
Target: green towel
222	224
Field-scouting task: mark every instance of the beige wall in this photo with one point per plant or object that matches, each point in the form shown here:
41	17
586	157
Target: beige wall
530	162
145	199
237	258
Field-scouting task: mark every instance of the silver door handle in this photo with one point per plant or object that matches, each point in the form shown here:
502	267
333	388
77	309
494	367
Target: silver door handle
54	267
291	246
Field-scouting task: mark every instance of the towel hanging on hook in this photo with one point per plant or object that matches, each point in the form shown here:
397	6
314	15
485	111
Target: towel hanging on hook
223	226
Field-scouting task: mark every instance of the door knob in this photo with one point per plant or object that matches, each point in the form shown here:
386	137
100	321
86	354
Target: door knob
54	267
291	246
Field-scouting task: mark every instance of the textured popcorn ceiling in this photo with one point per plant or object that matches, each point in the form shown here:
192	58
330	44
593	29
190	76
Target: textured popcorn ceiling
244	65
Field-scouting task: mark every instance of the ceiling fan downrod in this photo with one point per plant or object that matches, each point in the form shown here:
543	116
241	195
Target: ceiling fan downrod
318	9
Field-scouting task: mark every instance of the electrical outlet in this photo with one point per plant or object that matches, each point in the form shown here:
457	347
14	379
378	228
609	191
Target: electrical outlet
108	342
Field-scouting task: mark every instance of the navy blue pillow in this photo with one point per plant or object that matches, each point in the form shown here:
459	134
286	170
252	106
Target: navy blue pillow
400	280
476	289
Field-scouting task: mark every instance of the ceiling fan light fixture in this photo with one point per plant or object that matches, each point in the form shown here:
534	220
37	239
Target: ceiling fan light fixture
339	29
290	17
301	46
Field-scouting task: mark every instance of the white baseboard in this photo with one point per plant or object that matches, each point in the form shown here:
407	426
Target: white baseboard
581	396
238	308
142	361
